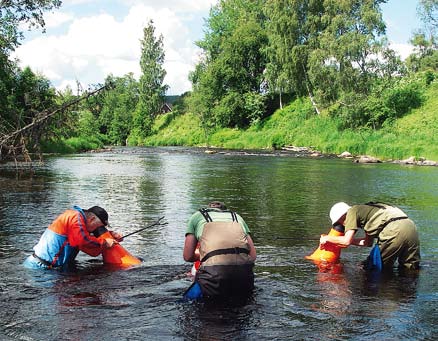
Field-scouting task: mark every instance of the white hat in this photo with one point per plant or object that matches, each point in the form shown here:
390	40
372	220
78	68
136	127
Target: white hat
338	210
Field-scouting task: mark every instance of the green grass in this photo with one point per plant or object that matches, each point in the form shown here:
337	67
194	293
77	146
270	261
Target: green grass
71	145
416	134
181	130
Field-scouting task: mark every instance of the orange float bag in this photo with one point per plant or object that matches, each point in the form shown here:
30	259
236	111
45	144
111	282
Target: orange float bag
197	264
328	252
117	254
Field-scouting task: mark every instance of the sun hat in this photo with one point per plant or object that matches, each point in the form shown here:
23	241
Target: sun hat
337	211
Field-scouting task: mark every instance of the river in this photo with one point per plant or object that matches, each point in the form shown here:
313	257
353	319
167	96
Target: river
285	199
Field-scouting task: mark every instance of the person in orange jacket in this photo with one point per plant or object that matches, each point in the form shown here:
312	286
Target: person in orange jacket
68	234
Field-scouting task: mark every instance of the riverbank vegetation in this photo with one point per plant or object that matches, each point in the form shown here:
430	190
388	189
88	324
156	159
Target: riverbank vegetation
318	74
415	134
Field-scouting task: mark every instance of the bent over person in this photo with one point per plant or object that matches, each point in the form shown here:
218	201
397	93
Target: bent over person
396	234
226	251
68	234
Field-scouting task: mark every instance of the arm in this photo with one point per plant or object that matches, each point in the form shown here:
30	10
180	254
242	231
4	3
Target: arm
342	241
79	237
366	241
117	236
190	243
252	250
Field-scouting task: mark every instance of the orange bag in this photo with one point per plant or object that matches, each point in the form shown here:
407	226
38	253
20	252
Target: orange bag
329	252
117	254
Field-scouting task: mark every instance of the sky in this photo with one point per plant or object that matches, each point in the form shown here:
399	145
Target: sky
87	40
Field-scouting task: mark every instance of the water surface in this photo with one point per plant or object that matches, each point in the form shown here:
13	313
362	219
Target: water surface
285	200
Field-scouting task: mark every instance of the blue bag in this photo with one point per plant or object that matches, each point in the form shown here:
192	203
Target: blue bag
374	260
194	292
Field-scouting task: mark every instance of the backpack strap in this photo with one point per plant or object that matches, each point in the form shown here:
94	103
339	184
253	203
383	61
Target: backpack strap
391	220
376	204
234	216
229	251
207	217
204	212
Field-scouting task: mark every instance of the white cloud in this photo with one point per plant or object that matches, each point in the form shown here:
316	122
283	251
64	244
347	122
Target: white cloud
56	19
404	50
175	5
76	2
94	46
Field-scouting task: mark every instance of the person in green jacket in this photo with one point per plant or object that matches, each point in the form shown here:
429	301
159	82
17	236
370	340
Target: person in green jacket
226	251
396	234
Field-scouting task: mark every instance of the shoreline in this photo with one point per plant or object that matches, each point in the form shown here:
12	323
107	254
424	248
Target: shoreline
294	151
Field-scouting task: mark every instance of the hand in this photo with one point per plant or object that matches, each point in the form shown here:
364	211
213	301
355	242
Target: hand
117	236
323	239
109	243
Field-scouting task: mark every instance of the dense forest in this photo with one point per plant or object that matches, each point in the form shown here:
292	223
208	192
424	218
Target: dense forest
321	60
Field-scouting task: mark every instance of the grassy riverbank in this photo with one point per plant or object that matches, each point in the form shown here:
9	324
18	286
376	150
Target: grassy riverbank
416	134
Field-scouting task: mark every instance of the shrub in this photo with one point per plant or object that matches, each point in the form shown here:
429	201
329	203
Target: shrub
402	98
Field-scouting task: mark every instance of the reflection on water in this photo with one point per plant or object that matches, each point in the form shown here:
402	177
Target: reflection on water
285	201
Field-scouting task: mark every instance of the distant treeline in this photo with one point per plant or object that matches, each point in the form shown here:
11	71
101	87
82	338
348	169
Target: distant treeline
258	55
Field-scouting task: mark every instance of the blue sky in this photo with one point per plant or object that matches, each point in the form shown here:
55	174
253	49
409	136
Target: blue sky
86	40
401	19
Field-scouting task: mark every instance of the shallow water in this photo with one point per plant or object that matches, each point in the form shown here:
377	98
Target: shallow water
285	200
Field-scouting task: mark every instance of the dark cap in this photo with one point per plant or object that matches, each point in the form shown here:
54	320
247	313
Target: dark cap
100	213
217	204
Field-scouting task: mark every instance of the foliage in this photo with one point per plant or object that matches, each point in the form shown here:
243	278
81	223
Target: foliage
151	88
414	134
118	105
425	56
71	145
233	66
382	106
428	10
256	56
290	36
324	49
14	14
87	124
178	131
27	97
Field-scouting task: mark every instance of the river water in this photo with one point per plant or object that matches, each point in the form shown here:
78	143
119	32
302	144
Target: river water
285	200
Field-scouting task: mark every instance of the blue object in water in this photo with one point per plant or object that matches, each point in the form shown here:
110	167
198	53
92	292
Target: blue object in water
374	261
194	292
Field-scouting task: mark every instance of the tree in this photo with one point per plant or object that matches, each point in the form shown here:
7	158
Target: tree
425	56
14	13
119	104
428	11
23	95
151	88
232	67
8	71
29	99
293	28
323	48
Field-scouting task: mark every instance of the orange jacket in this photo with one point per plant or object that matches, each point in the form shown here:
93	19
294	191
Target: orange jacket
67	234
72	224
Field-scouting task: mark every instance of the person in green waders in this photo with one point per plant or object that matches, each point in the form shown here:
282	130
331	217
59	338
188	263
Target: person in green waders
226	252
396	234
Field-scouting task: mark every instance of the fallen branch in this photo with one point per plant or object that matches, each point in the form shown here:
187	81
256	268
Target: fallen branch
13	144
46	116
